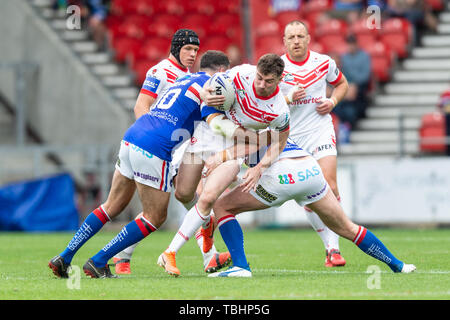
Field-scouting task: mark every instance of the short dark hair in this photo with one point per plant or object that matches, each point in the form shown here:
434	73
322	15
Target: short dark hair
271	63
213	59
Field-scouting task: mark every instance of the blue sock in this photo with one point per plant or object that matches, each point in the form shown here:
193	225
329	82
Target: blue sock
91	225
234	239
132	233
372	246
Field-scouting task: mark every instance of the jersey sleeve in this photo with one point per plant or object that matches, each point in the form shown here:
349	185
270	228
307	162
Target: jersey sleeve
155	81
207	110
334	74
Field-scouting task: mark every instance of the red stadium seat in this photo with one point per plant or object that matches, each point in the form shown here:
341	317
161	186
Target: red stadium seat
222	23
154	49
134	26
432	127
229	6
331	27
165	25
204	7
381	61
364	35
122	7
397	33
125	46
283	18
199	23
269	27
141	67
435	5
311	10
216	43
144	7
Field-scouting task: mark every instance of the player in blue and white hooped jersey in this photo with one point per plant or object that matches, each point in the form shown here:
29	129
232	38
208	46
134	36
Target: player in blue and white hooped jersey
259	105
295	175
144	164
183	53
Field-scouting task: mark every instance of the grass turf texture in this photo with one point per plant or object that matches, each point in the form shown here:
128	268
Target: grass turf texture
286	265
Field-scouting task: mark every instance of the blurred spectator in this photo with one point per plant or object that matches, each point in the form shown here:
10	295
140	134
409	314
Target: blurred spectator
92	11
444	107
418	12
356	65
234	55
343	8
277	6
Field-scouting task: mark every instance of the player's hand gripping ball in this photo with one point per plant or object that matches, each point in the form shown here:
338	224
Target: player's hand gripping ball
222	84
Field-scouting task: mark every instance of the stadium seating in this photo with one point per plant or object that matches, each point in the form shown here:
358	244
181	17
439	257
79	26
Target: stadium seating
381	59
142	29
432	127
397	33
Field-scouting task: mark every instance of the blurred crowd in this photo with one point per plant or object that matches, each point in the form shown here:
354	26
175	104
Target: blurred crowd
355	62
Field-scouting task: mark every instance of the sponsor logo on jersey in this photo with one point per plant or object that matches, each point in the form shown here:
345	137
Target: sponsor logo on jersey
151	84
146	176
312	196
308	100
260	191
323	147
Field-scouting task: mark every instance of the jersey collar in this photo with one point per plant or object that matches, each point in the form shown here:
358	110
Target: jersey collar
299	63
265	98
184	69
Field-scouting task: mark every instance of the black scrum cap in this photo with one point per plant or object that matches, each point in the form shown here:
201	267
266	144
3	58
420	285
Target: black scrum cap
181	38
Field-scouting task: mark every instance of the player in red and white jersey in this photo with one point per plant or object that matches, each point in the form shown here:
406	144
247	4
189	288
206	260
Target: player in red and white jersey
259	105
305	80
183	52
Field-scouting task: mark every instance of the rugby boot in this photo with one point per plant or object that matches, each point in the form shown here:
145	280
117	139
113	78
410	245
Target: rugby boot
218	261
122	266
167	261
92	271
334	258
59	267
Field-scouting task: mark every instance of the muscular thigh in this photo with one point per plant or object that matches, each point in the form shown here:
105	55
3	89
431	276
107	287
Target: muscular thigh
189	175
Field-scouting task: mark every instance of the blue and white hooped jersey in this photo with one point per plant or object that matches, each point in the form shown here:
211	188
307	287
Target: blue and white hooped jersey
172	120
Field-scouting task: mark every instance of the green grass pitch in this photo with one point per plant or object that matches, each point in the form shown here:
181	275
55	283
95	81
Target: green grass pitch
286	265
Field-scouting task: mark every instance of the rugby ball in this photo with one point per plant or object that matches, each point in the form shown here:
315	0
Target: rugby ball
223	85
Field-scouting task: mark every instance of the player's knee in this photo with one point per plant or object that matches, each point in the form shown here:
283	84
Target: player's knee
156	219
183	196
207	199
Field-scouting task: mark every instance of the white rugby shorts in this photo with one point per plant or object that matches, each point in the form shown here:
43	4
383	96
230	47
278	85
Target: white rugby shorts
141	166
205	142
320	143
298	179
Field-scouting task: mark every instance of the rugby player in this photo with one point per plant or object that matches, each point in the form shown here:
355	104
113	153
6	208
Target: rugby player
295	175
305	79
144	163
259	105
183	52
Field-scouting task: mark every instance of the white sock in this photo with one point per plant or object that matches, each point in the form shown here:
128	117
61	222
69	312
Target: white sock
329	238
206	255
191	223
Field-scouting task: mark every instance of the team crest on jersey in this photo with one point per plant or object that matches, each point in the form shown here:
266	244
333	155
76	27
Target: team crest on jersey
241	93
288	77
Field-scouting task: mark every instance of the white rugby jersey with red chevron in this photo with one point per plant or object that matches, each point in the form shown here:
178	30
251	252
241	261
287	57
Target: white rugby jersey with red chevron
312	74
253	111
161	76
